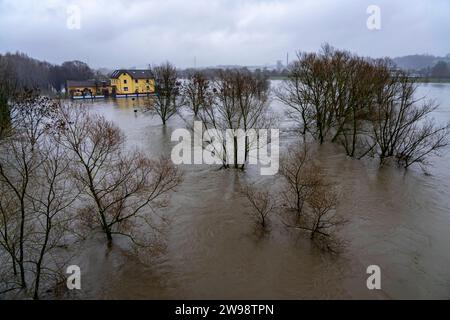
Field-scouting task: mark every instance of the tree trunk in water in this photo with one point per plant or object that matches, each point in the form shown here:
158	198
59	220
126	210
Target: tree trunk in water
23	283
14	264
299	206
108	235
235	152
36	286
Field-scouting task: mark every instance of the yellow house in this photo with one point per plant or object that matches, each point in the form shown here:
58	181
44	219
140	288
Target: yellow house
131	82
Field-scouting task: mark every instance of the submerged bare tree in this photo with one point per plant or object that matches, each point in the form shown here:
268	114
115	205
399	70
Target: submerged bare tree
53	214
323	219
329	94
18	165
307	93
301	176
168	99
122	185
296	92
9	241
401	128
196	91
262	203
36	194
239	104
322	202
312	197
351	97
19	162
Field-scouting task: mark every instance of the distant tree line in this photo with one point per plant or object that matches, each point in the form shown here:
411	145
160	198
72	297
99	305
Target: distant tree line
212	72
440	71
19	71
25	71
425	66
418	61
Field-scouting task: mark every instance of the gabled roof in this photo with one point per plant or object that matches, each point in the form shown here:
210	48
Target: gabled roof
87	83
135	74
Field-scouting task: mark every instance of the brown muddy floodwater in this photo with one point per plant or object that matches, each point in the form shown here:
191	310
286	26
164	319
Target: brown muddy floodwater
398	220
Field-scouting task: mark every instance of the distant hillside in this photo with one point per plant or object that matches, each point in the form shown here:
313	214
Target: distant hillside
417	61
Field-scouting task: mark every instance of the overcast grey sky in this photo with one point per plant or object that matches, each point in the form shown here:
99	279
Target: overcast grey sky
126	33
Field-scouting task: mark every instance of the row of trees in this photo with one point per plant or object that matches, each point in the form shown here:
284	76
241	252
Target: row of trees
441	70
367	106
236	100
436	70
280	72
64	173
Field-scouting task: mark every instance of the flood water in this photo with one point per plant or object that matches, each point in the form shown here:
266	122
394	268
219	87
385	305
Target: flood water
399	221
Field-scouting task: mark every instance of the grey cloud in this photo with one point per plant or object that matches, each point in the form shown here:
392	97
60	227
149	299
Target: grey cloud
127	33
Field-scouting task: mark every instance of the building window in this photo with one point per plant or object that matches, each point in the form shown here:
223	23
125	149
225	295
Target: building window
136	81
125	81
125	89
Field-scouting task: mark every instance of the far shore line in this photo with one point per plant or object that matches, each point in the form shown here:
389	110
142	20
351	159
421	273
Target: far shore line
418	80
